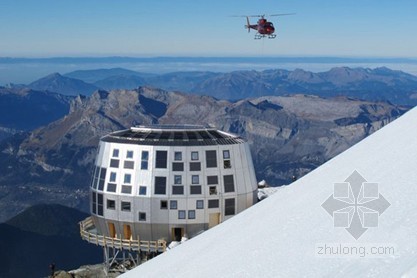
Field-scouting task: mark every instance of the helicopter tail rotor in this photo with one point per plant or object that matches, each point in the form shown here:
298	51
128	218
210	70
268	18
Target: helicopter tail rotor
248	24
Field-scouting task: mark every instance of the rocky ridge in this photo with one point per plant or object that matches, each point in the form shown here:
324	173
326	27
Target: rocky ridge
370	84
288	135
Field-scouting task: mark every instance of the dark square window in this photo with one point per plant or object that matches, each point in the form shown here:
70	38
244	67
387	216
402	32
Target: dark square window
111	187
160	185
213	190
164	204
177	179
195	166
100	210
181	214
213	203
126	189
161	159
142	216
145	155
144	160
94	183
100	204
114	163
103	172
229	185
115	153
100	185
229	206
195	179
178	156
94	202
100	199
102	176
227	164
96	177
191	214
194	155
177	190
212	180
97	172
173	204
111	204
211	159
127	178
125	206
195	189
199	204
112	177
144	165
177	166
142	190
129	165
129	154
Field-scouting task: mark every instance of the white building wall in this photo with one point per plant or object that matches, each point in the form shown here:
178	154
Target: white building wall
150	204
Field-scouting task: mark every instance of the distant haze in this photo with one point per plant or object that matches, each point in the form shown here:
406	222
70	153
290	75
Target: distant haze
23	71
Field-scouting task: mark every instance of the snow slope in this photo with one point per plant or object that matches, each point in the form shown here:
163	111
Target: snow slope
280	236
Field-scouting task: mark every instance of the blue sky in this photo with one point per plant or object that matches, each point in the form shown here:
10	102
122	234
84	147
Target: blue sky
362	28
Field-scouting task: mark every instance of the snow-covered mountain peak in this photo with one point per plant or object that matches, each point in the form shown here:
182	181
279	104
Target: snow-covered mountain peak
290	234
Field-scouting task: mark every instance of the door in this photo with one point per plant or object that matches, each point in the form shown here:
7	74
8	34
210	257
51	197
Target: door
112	230
127	232
214	219
177	234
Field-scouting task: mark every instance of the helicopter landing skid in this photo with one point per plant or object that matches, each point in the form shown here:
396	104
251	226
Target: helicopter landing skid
261	36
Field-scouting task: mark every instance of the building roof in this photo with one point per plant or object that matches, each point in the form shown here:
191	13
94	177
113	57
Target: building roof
173	135
282	235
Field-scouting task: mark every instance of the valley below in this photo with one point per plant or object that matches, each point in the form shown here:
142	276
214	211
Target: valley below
289	136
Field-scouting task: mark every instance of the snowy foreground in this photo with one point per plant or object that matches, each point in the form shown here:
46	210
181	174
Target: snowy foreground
290	234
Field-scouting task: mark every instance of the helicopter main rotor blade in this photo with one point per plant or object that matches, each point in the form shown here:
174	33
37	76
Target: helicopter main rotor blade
281	14
257	15
262	15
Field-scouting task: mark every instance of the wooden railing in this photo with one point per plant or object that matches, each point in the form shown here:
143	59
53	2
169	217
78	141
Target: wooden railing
88	233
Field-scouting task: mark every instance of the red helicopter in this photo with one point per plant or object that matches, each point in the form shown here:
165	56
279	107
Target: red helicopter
264	27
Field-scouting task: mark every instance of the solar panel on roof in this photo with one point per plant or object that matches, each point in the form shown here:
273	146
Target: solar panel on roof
191	135
152	135
173	136
204	134
165	135
215	134
178	135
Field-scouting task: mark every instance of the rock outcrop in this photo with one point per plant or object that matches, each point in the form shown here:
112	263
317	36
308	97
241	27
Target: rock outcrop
289	136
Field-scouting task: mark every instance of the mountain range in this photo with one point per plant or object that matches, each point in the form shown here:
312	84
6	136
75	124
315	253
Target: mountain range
369	84
49	131
288	135
63	85
24	109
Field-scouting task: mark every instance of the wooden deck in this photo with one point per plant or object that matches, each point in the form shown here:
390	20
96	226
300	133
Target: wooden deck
89	233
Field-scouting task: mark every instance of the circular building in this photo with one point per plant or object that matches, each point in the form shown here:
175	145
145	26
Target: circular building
164	182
